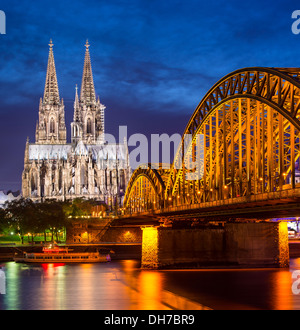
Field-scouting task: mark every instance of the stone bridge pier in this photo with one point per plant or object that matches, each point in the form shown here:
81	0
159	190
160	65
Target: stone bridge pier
237	244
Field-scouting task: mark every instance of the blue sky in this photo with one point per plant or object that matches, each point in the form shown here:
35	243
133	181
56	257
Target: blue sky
152	61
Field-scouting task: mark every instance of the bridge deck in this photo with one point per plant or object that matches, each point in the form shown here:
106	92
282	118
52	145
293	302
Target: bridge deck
284	203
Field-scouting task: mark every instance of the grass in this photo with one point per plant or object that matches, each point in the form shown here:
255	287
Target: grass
16	239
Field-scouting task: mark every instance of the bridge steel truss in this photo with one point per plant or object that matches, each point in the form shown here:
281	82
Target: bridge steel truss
243	140
146	190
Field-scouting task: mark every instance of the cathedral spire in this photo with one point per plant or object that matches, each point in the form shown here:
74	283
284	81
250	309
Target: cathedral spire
76	107
51	93
51	128
87	94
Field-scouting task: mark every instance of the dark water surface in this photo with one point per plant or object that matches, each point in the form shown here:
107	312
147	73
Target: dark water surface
121	285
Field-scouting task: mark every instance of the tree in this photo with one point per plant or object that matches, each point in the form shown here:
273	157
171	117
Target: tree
80	207
22	215
4	224
52	216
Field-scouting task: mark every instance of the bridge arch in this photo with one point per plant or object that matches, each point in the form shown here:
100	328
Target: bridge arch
244	139
247	127
145	190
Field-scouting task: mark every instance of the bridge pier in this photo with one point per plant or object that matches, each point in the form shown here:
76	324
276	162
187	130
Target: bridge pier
261	244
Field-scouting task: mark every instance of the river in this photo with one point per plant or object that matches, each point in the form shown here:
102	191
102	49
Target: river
122	285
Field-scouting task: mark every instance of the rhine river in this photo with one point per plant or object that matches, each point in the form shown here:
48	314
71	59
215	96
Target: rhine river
122	285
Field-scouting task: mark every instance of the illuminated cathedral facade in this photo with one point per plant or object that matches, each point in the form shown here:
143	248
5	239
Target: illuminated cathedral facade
88	167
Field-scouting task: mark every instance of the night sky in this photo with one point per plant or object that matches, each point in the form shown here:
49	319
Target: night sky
152	60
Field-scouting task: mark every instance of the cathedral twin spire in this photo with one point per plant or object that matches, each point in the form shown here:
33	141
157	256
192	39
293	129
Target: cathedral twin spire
51	93
87	93
88	120
59	170
51	127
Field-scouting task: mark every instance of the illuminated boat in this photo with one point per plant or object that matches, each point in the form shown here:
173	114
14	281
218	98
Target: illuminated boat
62	255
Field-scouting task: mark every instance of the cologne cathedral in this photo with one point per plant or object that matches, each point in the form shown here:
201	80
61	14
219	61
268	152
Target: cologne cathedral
88	167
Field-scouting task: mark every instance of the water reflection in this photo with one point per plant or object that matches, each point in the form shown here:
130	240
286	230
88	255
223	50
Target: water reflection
123	285
282	284
150	287
12	285
143	287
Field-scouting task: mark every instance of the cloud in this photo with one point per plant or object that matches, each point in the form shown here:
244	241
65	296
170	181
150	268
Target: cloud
153	61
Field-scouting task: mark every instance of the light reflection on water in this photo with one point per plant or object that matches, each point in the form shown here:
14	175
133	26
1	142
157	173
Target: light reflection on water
123	286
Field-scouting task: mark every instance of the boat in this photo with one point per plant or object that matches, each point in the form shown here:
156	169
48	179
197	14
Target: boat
58	254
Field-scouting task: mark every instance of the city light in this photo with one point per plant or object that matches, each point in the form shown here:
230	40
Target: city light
153	166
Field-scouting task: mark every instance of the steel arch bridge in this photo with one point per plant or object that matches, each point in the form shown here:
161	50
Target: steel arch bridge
241	144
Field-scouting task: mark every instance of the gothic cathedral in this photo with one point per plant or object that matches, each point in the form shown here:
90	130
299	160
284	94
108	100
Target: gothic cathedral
88	166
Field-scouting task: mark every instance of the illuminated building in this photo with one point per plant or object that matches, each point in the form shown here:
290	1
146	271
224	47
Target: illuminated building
88	166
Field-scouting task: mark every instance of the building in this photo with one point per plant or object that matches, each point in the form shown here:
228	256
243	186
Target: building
88	166
8	197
